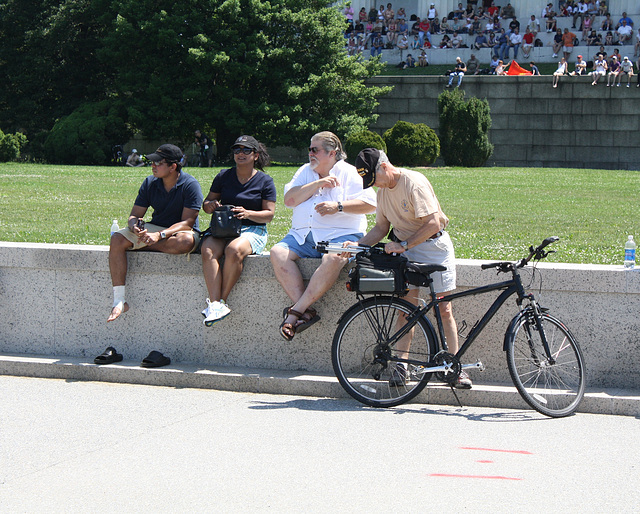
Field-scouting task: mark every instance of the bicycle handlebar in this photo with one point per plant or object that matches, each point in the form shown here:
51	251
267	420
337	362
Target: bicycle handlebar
326	247
537	253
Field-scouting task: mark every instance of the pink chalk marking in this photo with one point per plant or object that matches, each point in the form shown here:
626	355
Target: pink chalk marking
523	452
487	477
485	461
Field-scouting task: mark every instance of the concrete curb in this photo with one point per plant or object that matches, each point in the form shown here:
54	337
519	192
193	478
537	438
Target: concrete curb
596	401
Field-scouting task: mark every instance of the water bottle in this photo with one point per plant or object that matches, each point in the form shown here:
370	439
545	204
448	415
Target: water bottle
630	253
114	227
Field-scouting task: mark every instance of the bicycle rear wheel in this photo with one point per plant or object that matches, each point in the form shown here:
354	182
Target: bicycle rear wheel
367	365
554	389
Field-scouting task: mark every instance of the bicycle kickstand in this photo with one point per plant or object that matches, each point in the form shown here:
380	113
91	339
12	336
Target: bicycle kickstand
456	395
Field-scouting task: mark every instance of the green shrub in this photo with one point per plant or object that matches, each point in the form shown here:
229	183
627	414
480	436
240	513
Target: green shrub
10	146
359	140
410	144
464	129
87	135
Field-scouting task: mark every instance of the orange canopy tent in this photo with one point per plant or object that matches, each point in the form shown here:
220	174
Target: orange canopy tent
516	69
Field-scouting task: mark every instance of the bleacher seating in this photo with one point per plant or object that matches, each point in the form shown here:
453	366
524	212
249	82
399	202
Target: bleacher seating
524	10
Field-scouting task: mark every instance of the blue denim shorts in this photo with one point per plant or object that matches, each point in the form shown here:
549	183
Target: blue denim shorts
307	249
256	235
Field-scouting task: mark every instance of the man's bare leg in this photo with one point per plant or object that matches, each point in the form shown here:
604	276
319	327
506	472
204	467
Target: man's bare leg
118	268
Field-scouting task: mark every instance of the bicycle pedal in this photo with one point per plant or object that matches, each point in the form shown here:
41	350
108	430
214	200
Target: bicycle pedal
478	365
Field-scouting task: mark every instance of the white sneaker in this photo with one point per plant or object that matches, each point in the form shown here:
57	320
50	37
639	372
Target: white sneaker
554	55
207	310
217	311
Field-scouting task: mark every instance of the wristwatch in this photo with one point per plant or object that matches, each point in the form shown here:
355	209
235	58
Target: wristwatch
340	207
404	244
163	235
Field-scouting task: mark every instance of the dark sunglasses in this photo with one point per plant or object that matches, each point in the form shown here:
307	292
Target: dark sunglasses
246	151
314	149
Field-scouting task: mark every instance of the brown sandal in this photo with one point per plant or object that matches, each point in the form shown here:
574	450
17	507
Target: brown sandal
310	317
288	330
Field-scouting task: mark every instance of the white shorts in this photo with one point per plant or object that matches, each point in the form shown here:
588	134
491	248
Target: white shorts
437	251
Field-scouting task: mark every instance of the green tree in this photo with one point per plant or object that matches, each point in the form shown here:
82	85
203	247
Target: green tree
276	69
464	129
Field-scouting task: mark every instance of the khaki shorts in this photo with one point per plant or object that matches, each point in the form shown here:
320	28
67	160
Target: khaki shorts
437	251
151	228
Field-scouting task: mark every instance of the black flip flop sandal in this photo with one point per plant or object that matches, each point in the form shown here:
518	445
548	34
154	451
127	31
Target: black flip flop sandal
109	356
155	360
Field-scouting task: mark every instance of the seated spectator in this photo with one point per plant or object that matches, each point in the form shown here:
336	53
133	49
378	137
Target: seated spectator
473	65
625	33
470	11
602	52
457	26
587	25
580	13
348	13
392	33
352	46
403	42
489	27
626	68
624	18
609	39
135	160
548	11
534	25
376	45
515	40
410	62
502	44
403	28
458	12
493	64
475	26
534	68
599	69
614	70
373	15
457	41
557	42
458	72
581	67
482	14
415	28
592	9
607	23
423	60
424	33
480	42
493	10
445	42
358	29
435	26
389	14
508	12
492	40
415	44
527	43
497	25
362	15
594	39
637	47
562	69
566	8
401	13
603	9
361	46
616	54
514	24
381	13
551	23
444	26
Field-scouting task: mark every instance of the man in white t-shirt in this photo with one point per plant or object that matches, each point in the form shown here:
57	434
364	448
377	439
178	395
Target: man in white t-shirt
407	202
329	204
625	33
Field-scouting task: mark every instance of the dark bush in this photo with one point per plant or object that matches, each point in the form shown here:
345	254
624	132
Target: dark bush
410	144
360	140
10	146
464	129
87	135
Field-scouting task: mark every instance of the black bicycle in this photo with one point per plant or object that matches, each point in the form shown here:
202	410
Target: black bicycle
385	349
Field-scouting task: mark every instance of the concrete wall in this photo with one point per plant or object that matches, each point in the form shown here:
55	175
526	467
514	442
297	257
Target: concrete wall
575	125
56	298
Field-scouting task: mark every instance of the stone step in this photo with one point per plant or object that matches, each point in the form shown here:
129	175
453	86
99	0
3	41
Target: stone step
269	381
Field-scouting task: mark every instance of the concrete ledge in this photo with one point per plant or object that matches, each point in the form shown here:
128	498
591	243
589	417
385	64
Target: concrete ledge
56	299
617	402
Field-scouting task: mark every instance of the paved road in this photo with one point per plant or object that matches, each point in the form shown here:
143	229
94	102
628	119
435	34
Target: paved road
97	447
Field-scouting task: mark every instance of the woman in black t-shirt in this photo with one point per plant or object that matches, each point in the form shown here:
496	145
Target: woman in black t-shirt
253	195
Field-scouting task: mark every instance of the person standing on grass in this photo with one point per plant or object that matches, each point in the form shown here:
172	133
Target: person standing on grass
407	202
175	198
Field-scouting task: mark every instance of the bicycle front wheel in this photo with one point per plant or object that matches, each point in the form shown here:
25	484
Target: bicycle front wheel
369	368
553	387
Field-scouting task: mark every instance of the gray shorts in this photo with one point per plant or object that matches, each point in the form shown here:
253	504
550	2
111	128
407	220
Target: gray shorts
437	251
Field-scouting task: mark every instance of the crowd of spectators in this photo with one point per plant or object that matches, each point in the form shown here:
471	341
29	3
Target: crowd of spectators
486	25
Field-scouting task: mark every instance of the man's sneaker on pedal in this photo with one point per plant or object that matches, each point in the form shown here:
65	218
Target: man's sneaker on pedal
463	382
399	375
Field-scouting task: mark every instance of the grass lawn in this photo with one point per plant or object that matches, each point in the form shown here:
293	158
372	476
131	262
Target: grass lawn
496	213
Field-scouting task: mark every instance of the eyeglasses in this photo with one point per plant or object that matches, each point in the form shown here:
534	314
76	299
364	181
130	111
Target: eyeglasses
314	149
246	151
157	163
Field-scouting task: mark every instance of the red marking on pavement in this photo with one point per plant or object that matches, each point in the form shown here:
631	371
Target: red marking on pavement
524	452
488	477
485	461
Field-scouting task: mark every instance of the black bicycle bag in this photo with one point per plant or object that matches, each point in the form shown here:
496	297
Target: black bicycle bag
379	273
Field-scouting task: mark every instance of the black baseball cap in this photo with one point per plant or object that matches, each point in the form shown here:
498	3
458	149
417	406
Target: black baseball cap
247	142
366	163
169	152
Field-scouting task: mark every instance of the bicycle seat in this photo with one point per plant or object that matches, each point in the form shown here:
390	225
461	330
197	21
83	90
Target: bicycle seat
425	269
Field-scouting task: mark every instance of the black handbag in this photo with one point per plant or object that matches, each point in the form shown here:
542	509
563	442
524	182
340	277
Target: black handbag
224	224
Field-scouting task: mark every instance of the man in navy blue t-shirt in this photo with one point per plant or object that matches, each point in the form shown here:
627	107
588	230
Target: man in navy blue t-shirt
176	198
